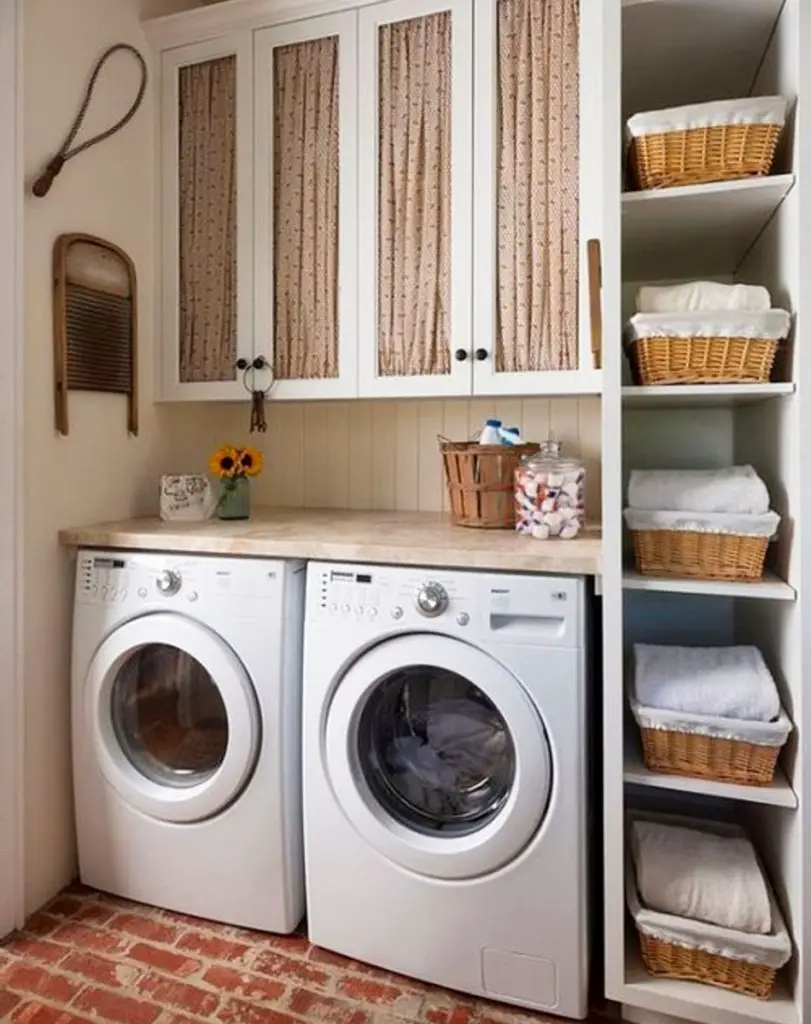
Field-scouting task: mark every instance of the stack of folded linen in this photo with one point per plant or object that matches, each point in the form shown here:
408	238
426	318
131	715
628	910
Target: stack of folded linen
712	712
671	510
704	332
702	904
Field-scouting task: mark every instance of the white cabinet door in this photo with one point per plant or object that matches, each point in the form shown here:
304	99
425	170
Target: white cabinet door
305	243
415	197
538	171
206	218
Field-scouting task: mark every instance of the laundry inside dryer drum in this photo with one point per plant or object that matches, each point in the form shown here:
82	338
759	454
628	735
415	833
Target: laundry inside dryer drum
435	751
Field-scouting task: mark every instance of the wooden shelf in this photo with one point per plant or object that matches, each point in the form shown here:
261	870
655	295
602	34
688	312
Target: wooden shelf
697	1002
770	588
685	396
779	794
699	229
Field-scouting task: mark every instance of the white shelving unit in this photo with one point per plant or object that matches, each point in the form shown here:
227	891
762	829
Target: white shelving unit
750	232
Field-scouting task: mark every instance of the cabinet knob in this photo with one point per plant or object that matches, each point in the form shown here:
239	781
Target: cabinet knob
242	364
259	363
481	354
461	355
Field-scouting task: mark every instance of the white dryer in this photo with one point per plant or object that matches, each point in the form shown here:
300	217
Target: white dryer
445	778
186	726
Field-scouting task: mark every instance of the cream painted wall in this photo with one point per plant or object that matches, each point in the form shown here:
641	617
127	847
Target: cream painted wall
97	472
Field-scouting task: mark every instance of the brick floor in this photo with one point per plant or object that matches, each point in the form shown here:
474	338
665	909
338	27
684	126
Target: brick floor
88	957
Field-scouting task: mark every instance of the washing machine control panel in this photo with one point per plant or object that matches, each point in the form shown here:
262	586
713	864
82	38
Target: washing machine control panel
390	597
432	600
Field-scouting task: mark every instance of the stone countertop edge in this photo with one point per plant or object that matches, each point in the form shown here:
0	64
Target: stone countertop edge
426	539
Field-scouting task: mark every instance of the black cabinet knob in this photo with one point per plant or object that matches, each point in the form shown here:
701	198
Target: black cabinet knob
461	355
259	363
242	364
481	354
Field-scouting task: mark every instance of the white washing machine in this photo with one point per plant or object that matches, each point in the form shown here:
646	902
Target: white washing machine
186	733
445	778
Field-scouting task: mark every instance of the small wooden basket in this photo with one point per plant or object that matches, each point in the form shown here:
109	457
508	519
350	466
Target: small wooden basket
698	156
700	556
480	481
667	960
702	360
696	755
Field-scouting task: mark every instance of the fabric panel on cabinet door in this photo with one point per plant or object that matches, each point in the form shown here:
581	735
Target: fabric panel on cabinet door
414	203
538	185
208	220
305	210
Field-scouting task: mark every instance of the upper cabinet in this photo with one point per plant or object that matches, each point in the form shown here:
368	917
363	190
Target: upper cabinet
305	243
206	217
415	165
389	201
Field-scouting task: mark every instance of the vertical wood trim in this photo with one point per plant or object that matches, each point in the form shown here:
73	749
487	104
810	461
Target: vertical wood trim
12	724
360	455
485	137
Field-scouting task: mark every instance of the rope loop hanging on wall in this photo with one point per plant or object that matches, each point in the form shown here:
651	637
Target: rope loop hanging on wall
42	185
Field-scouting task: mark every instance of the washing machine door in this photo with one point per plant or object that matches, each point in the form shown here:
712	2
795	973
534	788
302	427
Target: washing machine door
173	717
437	756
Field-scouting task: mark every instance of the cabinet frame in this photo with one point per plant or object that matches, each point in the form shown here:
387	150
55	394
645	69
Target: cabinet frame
240	46
459	381
344	26
585	379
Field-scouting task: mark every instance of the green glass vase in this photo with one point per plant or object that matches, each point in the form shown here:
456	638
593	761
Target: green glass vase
235	499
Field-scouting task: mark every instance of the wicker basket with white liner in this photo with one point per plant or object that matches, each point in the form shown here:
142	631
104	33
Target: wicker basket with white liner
700	524
687	949
693	145
705	347
708	712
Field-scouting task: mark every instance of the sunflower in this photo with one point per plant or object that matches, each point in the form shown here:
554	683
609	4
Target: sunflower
224	462
249	461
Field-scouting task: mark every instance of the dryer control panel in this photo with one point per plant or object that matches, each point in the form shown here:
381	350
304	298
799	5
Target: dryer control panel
514	609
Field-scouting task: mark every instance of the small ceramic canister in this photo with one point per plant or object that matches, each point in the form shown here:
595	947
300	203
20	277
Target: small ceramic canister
550	493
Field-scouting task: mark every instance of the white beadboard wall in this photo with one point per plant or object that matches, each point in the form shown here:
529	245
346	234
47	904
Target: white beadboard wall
383	454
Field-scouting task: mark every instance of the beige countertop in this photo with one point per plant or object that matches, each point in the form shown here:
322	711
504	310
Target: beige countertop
399	538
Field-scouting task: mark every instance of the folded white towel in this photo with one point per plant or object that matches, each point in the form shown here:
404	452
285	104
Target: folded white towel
703	296
726	682
700	875
736	489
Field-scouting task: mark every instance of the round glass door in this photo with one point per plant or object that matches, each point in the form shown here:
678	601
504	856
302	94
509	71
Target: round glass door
173	717
436	751
437	755
168	716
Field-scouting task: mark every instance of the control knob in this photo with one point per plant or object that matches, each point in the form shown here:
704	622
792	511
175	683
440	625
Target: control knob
168	582
432	600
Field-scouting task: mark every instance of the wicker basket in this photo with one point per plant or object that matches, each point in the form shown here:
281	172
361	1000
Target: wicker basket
696	755
481	482
698	156
701	556
702	360
667	960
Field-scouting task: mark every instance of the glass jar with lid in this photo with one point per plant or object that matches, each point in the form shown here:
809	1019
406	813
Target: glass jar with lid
550	494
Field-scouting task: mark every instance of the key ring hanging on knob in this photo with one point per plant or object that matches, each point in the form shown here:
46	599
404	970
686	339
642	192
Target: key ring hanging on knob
258	397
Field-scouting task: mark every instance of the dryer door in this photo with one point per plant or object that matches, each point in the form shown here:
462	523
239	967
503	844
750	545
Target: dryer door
173	717
437	756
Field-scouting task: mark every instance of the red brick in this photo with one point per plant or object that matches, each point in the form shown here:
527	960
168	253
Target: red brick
144	927
450	1015
334	1011
63	906
42	924
237	1012
179	994
164	959
8	1000
94	913
365	990
249	986
212	946
38	1013
290	945
36	949
83	937
114	1007
37	981
287	969
111	973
